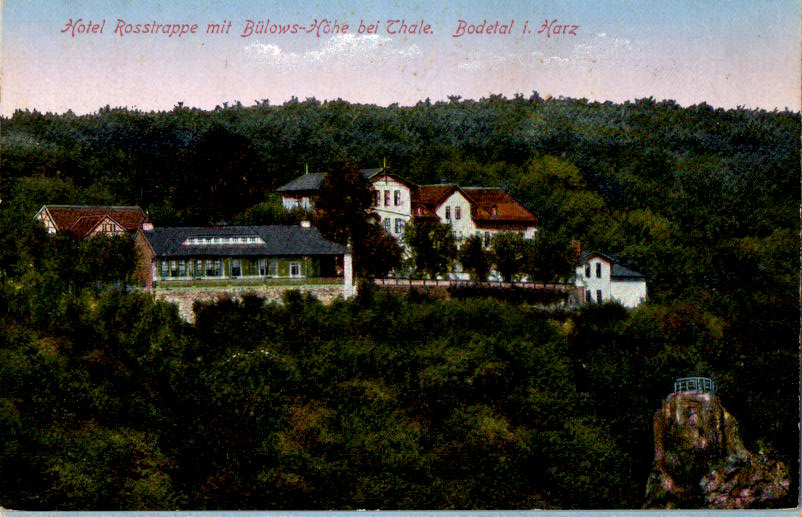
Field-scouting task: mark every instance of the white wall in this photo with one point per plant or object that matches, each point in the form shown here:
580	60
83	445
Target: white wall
594	283
402	211
629	293
291	203
462	227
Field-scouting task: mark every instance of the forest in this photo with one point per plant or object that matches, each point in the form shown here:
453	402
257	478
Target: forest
111	401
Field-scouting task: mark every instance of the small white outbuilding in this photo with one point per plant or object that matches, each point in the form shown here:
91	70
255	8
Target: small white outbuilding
600	278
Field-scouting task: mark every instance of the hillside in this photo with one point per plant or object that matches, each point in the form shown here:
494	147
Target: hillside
111	401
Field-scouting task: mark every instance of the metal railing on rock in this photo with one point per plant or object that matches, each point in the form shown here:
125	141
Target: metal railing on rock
695	385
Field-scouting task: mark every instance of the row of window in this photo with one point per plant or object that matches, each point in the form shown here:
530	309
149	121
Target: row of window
457	213
598	270
396	198
108	228
223	240
399	225
214	268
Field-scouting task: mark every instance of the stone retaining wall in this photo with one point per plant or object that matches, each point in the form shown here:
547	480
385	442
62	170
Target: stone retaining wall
184	298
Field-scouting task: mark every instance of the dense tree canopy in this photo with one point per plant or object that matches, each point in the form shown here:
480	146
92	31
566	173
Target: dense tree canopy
111	401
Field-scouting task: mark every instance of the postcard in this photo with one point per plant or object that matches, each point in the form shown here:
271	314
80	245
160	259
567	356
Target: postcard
347	255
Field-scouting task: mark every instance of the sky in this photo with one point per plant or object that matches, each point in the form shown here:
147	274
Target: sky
725	53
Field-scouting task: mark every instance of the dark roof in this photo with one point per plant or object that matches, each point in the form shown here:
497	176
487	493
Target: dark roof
311	182
278	241
369	173
80	219
307	182
617	270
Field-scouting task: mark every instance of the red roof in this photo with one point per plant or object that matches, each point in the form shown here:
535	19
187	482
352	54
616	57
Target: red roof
81	219
426	199
507	208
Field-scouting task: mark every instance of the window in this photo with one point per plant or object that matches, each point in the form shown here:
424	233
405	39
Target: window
236	268
598	295
387	224
396	197
262	267
598	269
378	198
273	271
448	213
588	297
493	211
182	268
587	270
386	198
399	225
487	238
295	269
457	213
199	268
164	270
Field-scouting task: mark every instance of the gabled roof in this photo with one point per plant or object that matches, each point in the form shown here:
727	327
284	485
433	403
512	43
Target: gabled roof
433	195
84	225
483	200
617	270
426	199
307	182
278	240
311	182
82	219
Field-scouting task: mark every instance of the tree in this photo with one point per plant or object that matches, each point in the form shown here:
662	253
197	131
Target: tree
473	257
508	254
343	213
548	258
432	246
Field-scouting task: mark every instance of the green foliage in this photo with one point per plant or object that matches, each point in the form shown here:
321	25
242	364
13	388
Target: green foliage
270	211
431	246
343	214
110	401
509	252
548	258
473	257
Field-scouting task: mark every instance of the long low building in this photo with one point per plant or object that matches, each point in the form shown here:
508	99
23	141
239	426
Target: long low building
239	252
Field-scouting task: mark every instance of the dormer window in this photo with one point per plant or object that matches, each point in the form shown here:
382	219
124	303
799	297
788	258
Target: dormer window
493	211
205	241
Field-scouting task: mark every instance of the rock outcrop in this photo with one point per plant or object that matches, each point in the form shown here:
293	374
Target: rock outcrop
700	460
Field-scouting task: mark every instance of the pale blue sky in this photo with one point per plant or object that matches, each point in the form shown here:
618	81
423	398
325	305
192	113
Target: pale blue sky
724	53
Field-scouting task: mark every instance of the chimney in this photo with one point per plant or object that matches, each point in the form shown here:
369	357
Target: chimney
577	247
